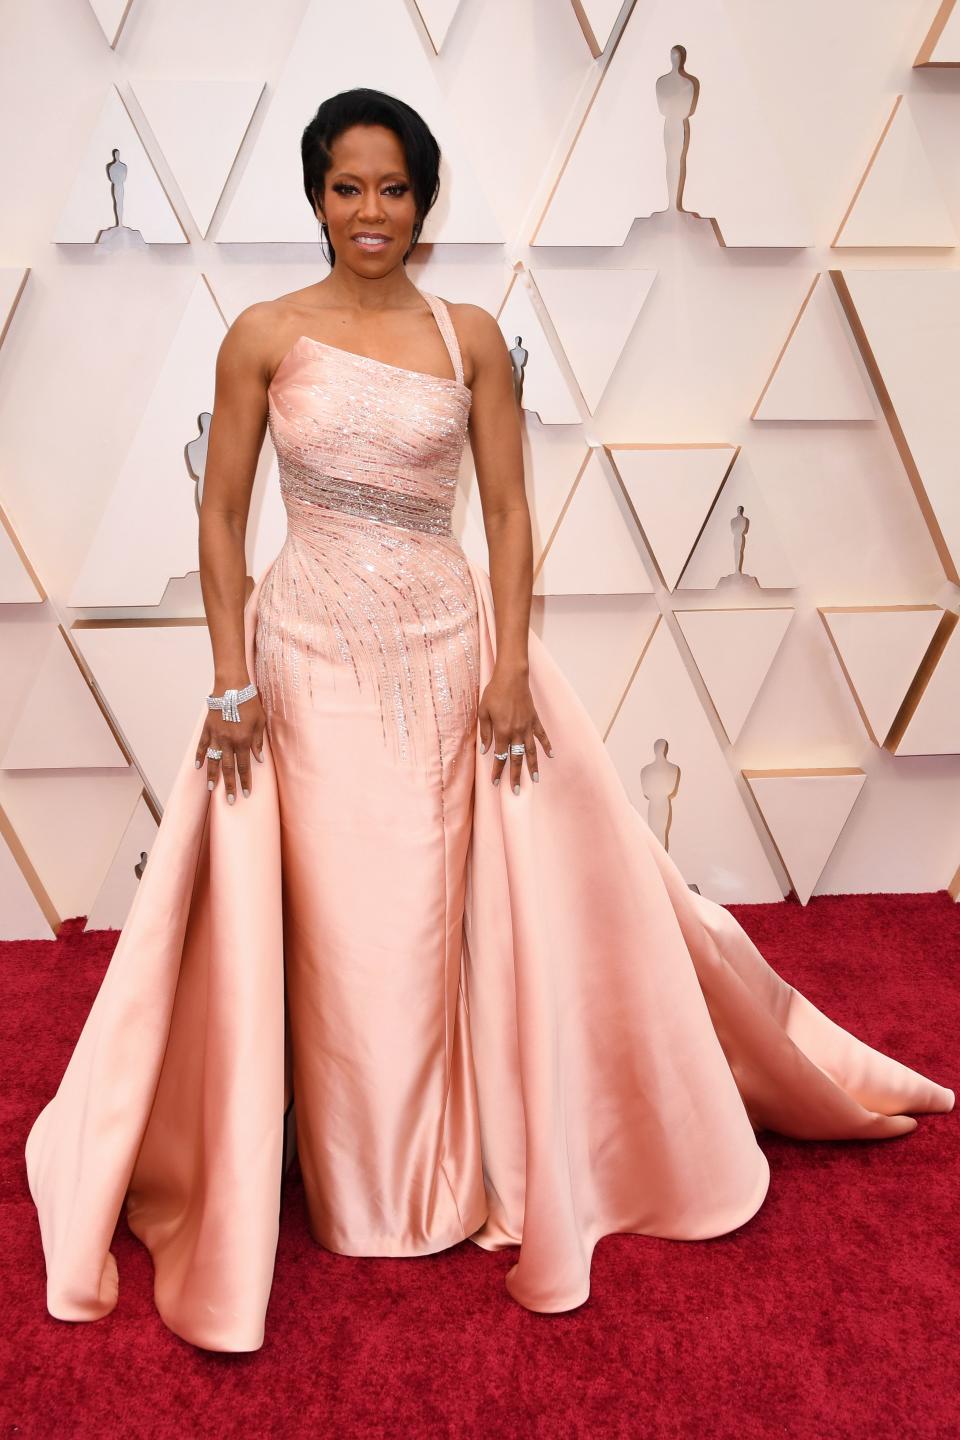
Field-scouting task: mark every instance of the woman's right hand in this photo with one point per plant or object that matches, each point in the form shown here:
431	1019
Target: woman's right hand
236	740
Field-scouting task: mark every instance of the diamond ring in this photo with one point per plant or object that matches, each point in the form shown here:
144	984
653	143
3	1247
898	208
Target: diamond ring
213	754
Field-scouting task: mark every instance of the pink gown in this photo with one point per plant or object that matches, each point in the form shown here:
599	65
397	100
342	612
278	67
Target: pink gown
501	1017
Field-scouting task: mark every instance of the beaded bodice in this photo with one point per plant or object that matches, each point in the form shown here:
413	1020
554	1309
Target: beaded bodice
371	574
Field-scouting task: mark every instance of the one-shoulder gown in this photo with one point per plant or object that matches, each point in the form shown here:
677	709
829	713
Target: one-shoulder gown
500	1017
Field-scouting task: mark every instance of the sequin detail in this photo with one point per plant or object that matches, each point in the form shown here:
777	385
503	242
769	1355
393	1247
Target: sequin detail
374	502
370	575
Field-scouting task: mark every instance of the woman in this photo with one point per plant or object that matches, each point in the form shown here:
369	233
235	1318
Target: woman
507	1017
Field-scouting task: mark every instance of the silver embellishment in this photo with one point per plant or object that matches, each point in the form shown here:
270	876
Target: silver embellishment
370	577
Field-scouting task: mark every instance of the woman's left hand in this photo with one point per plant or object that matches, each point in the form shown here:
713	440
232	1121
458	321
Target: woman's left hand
507	714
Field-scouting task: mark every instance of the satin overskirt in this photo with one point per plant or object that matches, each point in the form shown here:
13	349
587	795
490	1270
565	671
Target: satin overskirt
612	1042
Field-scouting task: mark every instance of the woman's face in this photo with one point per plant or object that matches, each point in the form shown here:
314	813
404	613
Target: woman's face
367	189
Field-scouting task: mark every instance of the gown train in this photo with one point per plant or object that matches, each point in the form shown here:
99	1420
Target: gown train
626	1040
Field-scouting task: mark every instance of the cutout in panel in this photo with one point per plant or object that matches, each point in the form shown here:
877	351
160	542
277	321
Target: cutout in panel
539	381
116	200
729	172
672	489
659	782
739	551
713	840
148	531
111	907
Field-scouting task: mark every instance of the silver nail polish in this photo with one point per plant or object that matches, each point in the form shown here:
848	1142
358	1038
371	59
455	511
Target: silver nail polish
536	775
210	784
516	789
497	780
230	799
246	794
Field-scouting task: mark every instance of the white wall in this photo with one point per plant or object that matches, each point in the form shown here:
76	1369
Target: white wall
86	347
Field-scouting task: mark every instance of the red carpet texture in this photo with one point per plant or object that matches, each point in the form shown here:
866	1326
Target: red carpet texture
833	1312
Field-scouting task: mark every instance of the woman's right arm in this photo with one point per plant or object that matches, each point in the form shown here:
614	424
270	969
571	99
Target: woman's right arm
236	436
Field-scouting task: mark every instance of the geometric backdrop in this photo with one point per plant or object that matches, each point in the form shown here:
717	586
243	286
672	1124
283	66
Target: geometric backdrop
731	256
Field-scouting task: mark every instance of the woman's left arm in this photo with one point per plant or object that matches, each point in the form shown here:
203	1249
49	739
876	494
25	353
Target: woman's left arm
507	712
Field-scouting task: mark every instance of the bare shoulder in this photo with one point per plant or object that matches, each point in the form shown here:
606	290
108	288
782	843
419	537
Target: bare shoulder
481	339
259	336
477	326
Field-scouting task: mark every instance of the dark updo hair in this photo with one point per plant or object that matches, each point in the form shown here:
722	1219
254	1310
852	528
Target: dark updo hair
372	107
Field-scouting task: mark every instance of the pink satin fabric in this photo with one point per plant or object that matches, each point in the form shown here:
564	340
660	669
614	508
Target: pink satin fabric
509	1018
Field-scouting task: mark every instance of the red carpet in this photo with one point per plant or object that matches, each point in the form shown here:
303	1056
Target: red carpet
834	1312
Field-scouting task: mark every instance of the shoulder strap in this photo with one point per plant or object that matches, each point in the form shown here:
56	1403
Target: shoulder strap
442	317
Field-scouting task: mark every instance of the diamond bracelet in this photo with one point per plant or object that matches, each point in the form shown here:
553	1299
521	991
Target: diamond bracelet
229	701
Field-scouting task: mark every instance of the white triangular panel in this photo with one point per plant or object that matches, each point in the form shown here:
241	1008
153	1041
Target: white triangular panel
149	529
942	43
553	456
819	374
593	313
18	586
734	651
898	201
597	17
880	650
115	896
733	171
596	549
596	641
711	836
805	812
545	388
110	17
21	915
89	205
66	821
437	17
911	321
672	488
336	48
60	726
934	727
713	561
181	110
154	678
